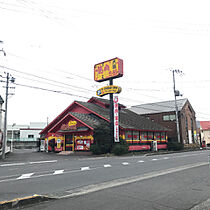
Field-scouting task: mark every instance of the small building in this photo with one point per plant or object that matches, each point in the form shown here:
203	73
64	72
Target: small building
23	133
164	113
205	133
73	129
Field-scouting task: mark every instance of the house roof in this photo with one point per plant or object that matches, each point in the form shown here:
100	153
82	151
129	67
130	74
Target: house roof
88	119
127	118
104	101
98	114
159	107
205	125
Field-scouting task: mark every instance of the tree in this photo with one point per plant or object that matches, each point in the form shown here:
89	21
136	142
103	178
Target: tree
102	139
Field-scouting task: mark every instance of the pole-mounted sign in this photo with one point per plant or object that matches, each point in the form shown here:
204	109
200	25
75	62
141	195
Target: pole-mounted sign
108	89
116	119
108	69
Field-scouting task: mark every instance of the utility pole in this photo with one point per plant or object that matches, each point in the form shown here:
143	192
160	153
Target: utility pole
5	120
4	143
176	93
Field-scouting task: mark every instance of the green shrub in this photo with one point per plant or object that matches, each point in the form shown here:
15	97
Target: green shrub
175	146
102	140
120	148
95	149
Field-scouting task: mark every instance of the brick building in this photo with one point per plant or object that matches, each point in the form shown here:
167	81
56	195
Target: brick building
164	114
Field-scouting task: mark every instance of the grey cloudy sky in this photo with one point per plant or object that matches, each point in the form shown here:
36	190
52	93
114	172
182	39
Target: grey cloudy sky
53	45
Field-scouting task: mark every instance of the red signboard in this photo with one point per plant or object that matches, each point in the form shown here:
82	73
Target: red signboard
108	69
116	119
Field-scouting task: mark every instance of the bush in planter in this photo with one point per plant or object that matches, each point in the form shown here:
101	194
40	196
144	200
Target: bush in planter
120	148
175	146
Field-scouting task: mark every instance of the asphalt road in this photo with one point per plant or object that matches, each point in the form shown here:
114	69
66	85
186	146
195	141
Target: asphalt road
176	181
176	191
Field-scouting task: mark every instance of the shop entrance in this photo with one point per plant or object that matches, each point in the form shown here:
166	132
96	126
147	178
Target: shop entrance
69	143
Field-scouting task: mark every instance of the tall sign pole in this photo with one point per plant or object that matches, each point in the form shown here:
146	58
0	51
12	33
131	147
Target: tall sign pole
109	70
111	112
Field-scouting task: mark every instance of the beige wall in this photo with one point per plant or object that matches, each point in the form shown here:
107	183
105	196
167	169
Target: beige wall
205	135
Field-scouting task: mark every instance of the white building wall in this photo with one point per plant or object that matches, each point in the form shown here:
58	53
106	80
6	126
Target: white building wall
27	134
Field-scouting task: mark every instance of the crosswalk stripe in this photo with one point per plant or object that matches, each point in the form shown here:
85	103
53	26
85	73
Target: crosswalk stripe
154	159
125	163
25	176
107	166
85	168
140	161
58	172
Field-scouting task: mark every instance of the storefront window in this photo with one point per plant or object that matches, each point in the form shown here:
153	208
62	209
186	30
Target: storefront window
157	135
150	135
143	135
163	136
135	135
128	135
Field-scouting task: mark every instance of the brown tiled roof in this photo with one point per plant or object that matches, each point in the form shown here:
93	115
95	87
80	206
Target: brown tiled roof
128	119
89	119
105	101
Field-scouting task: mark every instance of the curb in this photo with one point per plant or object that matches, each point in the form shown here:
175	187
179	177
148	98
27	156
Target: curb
19	202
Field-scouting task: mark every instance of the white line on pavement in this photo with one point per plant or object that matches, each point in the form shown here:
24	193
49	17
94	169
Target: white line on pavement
25	176
154	159
107	166
140	161
12	164
85	168
34	162
122	181
125	163
58	172
44	161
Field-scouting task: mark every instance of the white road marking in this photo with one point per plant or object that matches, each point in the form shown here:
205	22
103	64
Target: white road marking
85	168
12	164
128	180
34	162
107	166
125	163
58	172
44	161
154	159
25	176
140	161
165	158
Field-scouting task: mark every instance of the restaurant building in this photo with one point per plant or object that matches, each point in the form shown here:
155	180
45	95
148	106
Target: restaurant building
73	129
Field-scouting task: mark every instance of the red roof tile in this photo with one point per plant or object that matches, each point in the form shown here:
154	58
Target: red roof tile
205	125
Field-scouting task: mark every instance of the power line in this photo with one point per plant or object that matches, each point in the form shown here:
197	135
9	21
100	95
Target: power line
54	91
43	78
59	70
